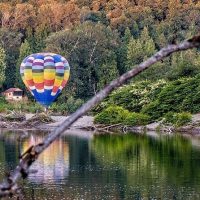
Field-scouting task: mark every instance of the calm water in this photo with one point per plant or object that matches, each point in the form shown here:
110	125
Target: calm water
127	166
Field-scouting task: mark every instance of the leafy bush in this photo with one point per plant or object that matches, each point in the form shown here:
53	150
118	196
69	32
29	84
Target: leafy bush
33	108
73	104
170	118
133	97
70	106
183	118
177	96
178	119
134	119
112	115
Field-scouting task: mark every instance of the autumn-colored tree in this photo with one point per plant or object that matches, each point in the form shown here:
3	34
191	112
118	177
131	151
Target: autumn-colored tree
24	16
6	14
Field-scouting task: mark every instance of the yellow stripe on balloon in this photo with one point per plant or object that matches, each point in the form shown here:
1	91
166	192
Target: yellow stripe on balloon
49	75
28	75
58	82
66	75
38	79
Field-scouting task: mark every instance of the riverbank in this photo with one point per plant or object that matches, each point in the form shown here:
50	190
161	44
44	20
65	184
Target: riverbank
44	122
86	124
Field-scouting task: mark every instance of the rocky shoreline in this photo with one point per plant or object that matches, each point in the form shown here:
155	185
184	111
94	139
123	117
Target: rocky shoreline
86	123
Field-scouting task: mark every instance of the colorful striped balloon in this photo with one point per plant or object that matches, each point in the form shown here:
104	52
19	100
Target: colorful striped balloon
45	75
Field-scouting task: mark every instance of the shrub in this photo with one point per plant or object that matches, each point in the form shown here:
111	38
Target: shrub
183	118
170	118
153	110
70	106
134	96
73	104
33	108
177	96
135	119
178	119
112	115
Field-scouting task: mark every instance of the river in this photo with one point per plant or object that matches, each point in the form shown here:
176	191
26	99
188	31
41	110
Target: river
126	166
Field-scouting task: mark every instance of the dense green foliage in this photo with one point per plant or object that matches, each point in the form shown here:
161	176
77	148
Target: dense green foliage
171	100
2	65
70	106
134	96
178	119
117	114
135	119
112	115
176	96
102	40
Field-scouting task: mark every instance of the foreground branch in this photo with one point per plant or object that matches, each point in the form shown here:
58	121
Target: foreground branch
9	186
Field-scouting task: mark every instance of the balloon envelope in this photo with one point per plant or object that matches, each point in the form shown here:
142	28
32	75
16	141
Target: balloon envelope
45	75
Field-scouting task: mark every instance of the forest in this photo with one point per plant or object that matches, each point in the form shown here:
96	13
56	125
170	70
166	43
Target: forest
101	39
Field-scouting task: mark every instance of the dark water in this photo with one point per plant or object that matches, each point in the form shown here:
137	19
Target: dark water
127	166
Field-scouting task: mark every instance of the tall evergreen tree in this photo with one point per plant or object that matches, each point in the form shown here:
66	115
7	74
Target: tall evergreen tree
107	73
25	50
121	52
139	48
184	64
10	41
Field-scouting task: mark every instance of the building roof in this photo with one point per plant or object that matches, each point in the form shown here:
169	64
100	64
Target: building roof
12	90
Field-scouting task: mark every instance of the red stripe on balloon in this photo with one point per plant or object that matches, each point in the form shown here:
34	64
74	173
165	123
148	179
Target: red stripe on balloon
64	83
30	82
55	89
39	86
48	82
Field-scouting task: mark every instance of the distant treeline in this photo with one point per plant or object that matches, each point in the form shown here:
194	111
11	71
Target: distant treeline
101	39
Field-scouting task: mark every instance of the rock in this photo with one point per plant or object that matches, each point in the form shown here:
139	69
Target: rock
153	126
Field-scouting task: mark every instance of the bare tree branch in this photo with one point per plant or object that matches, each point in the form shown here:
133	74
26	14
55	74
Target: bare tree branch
9	186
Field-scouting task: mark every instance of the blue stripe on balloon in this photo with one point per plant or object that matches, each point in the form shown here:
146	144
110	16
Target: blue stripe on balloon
57	58
45	98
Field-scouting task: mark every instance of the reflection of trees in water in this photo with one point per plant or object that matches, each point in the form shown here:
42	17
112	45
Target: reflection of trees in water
9	151
109	167
151	167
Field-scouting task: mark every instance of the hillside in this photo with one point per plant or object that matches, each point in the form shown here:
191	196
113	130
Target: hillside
101	39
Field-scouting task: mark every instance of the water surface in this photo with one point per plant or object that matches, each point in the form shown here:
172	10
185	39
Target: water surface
127	166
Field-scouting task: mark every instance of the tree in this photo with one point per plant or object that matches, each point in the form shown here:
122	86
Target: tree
25	50
138	49
107	73
2	66
184	64
10	41
24	15
121	51
87	47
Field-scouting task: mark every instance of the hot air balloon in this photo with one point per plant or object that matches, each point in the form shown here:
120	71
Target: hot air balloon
45	75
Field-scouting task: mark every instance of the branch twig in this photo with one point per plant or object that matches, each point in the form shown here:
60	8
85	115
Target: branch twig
9	186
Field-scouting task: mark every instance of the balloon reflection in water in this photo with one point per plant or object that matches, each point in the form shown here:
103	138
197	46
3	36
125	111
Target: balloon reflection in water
53	164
